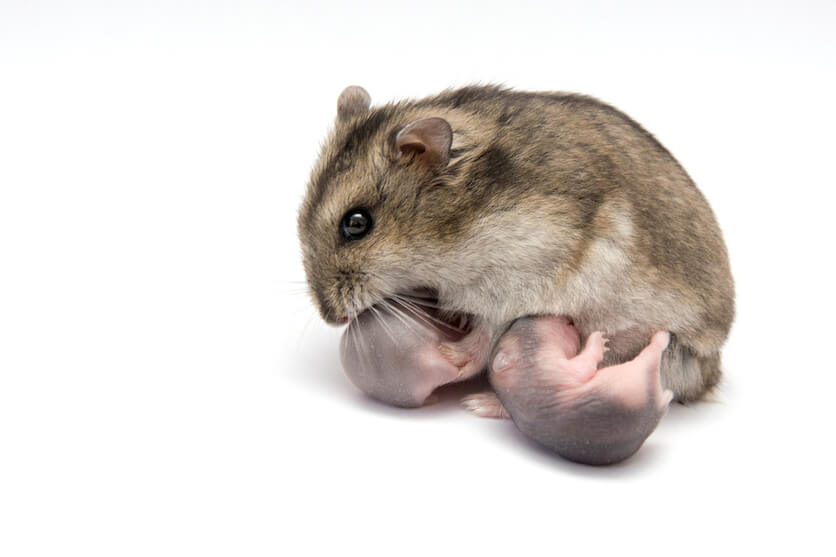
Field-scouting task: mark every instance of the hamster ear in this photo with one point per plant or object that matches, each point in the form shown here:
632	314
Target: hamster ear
353	101
428	139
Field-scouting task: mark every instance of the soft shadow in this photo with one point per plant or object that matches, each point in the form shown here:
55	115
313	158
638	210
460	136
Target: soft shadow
321	368
443	401
647	457
681	417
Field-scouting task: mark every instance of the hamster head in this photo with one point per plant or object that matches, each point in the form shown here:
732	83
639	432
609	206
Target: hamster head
379	218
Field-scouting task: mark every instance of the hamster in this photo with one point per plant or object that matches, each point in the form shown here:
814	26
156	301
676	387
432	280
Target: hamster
491	205
558	397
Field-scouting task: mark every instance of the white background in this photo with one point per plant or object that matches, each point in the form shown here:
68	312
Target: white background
166	387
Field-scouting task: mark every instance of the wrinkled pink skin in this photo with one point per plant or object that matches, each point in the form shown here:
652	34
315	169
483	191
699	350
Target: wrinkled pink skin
556	395
400	359
550	388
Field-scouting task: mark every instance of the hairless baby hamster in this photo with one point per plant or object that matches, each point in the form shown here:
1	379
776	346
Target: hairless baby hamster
559	397
486	228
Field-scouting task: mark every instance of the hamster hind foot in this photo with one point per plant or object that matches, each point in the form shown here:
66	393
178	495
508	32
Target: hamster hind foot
557	397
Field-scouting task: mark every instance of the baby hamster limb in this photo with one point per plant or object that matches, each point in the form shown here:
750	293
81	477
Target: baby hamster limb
557	396
400	359
485	405
470	354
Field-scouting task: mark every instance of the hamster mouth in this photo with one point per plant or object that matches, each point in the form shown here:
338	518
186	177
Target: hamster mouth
421	308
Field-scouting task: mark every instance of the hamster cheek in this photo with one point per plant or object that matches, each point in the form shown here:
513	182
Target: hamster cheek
588	416
392	360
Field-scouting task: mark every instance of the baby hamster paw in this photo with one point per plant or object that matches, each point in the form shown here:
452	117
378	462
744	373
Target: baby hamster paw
593	352
470	353
556	396
485	405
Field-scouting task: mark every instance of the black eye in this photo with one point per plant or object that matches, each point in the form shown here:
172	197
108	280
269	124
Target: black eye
355	224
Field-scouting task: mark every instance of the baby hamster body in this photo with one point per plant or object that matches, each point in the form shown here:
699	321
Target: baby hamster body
506	204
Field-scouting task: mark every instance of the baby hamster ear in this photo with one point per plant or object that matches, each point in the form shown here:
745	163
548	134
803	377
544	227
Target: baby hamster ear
428	139
354	100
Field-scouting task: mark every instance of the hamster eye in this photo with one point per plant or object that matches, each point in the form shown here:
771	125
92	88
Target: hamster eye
356	223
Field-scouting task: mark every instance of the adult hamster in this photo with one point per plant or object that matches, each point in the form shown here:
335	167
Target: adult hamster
503	204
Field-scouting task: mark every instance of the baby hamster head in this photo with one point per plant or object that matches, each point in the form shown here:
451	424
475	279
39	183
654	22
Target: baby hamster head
374	221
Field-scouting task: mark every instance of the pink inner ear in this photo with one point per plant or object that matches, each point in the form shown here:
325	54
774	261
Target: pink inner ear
429	139
414	147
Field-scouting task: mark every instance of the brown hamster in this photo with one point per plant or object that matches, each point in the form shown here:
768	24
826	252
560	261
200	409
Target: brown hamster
504	204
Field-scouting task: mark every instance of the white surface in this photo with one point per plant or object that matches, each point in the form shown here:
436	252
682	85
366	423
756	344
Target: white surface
165	385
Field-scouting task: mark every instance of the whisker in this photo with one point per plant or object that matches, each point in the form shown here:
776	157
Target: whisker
427	302
408	321
425	315
357	335
311	316
377	316
298	292
415	312
358	344
384	325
